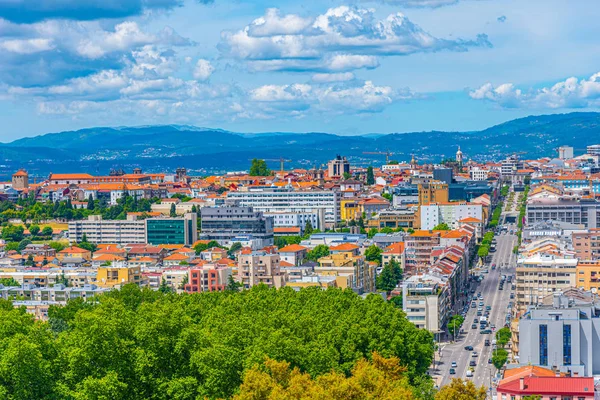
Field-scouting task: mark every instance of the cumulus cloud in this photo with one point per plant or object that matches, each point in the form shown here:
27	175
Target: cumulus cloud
335	77
27	46
570	93
342	39
203	70
30	11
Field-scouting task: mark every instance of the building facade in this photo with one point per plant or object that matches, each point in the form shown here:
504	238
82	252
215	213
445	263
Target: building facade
225	224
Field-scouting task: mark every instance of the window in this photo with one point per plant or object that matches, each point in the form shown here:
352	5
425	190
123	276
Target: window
567	344
543	339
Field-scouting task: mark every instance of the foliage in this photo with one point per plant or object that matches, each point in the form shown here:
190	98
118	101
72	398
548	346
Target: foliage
483	251
397	301
370	176
142	344
200	247
164	287
503	335
47	231
308	229
387	196
173	211
9	282
58	246
504	191
380	378
22	244
12	246
454	324
499	358
232	285
347	175
372	232
13	233
461	390
259	168
282	241
389	277
373	253
235	247
441	227
496	215
319	251
34	230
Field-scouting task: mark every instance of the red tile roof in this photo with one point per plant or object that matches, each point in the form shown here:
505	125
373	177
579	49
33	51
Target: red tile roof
292	248
344	247
545	385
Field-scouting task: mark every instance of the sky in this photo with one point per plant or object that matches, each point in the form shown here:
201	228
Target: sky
345	67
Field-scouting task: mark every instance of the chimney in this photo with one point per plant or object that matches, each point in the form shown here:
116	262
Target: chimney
522	384
575	374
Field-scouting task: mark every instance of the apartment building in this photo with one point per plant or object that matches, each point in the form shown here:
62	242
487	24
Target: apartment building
587	244
288	200
207	278
116	277
338	167
540	275
449	213
425	301
350	269
226	224
479	173
588	275
98	230
258	267
433	192
510	166
419	246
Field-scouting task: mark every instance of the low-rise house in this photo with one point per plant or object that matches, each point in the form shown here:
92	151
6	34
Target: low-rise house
293	254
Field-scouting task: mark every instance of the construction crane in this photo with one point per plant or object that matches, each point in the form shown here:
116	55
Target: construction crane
281	161
386	153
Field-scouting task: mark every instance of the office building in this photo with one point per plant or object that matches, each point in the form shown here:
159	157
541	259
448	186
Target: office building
98	230
564	336
338	167
574	210
433	192
443	175
287	200
449	213
297	219
225	224
183	230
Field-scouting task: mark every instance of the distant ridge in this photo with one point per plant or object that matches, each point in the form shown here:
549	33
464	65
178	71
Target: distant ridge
205	150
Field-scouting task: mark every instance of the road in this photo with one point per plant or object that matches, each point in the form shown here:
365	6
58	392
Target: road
505	260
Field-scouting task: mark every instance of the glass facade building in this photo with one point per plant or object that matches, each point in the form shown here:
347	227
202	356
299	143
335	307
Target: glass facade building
543	344
172	230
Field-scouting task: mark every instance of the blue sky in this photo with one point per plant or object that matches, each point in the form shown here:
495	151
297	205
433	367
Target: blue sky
334	66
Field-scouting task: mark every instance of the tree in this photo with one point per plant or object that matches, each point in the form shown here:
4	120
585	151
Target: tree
379	378
173	211
499	358
29	260
232	285
370	176
386	281
397	301
347	175
454	324
308	229
164	287
319	251
373	253
90	202
47	231
461	390
9	282
22	244
503	336
259	168
13	233
235	247
483	252
441	227
34	230
57	246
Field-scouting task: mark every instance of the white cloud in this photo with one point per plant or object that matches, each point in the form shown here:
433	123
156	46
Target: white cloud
570	93
332	41
127	35
421	3
27	46
335	77
203	70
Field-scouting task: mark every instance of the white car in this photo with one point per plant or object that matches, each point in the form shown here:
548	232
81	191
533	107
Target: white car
469	373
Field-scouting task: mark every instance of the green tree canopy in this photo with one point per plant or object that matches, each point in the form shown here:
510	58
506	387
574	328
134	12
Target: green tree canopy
499	358
461	390
370	176
503	336
259	168
441	227
373	253
319	251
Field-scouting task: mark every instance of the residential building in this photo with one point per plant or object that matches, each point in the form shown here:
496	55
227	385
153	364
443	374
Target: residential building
477	173
226	224
74	252
256	267
419	246
433	192
42	250
293	254
565	152
588	275
207	278
510	166
542	274
594	149
449	213
298	219
587	244
110	276
98	230
547	388
350	269
393	252
333	239
425	301
286	199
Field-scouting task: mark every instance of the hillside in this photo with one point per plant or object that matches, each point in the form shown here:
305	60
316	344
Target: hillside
203	150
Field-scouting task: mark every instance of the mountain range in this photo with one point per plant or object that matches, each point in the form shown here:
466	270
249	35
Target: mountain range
205	150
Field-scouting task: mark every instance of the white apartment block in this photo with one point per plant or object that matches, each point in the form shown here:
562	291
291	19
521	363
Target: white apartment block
449	213
298	219
287	200
98	230
479	173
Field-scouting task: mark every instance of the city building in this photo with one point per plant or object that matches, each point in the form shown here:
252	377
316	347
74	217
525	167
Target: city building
298	219
574	210
228	224
288	200
293	254
256	267
433	192
594	149
565	152
98	230
564	336
510	166
396	218
207	278
350	269
338	167
182	230
478	173
419	246
449	213
394	252
546	387
443	174
20	180
587	244
113	276
425	301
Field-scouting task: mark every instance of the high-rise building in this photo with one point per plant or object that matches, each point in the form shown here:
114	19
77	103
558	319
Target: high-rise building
225	224
565	152
511	165
338	166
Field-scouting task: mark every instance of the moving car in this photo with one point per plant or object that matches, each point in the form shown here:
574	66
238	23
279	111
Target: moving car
487	342
452	371
453	365
469	373
469	348
472	363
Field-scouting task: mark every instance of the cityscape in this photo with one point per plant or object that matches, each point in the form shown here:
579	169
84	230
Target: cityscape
299	200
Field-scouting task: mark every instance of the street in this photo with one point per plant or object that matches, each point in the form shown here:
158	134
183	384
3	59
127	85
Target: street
498	300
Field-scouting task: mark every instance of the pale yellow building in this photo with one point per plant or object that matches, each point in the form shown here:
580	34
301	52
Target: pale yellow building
109	276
